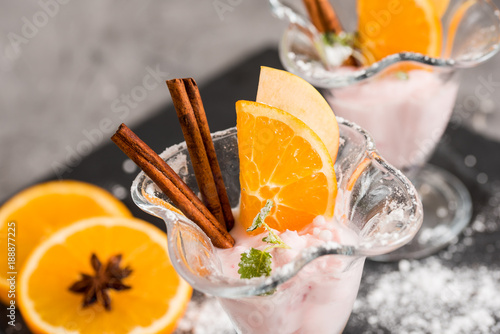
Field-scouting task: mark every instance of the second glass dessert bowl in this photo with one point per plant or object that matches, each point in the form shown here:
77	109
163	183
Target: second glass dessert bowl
405	101
376	204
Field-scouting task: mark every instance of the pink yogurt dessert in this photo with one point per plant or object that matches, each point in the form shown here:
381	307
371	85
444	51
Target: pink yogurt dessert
405	115
319	299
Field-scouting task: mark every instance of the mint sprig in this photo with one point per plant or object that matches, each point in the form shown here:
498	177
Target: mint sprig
344	39
255	262
258	221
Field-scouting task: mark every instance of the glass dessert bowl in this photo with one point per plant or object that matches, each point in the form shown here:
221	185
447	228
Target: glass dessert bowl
405	101
377	211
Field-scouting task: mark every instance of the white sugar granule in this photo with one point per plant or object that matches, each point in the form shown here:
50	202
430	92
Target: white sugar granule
204	315
428	297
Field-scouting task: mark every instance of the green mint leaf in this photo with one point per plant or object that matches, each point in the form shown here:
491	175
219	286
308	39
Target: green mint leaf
261	216
402	75
344	39
272	239
255	263
328	39
276	241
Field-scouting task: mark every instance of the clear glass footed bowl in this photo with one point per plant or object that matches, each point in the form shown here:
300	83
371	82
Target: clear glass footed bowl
405	100
375	202
471	35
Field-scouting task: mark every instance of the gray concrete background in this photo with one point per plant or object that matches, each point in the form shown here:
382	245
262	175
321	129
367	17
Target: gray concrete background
64	78
59	81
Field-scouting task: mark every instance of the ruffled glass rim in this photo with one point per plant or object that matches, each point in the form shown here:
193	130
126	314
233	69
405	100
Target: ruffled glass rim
322	77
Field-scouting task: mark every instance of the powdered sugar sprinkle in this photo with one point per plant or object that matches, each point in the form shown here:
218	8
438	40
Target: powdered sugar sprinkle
428	297
204	316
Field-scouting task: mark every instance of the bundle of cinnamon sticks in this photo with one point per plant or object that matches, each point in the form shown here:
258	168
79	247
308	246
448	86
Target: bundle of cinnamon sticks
213	213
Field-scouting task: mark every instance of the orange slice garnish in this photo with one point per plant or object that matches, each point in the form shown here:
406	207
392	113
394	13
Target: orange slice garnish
283	160
157	297
388	27
39	211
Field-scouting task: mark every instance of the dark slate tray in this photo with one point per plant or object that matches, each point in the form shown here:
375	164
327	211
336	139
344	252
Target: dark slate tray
103	167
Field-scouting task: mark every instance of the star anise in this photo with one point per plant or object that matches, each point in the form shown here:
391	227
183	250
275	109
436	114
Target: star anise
95	288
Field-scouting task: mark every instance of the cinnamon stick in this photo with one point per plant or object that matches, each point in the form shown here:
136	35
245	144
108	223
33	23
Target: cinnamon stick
191	113
171	184
323	16
201	118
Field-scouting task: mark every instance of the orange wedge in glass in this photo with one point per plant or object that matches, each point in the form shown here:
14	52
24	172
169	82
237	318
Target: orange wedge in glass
39	211
155	301
388	27
283	160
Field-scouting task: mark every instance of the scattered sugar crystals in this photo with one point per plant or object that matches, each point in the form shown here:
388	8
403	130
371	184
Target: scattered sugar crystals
204	316
404	266
432	296
429	297
423	296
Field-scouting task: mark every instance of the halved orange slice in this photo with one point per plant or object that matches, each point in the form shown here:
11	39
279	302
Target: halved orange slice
40	210
388	27
283	160
153	303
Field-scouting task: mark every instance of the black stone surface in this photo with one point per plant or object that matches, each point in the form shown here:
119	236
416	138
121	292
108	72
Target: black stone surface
103	167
